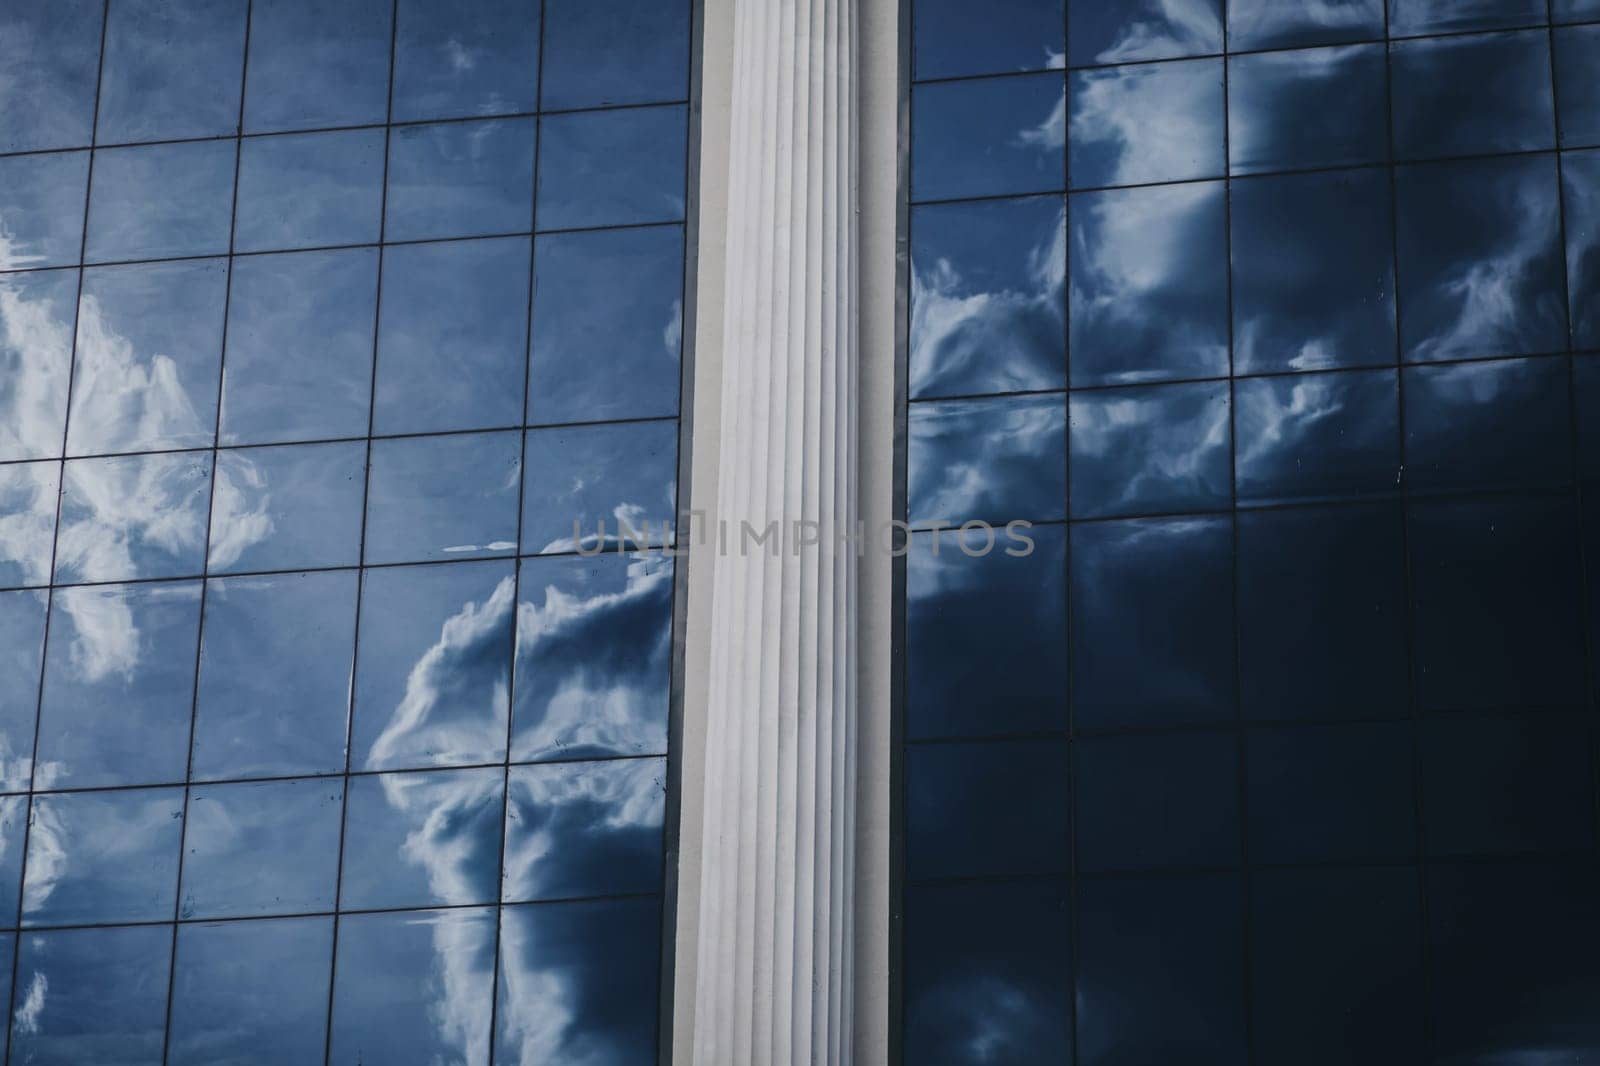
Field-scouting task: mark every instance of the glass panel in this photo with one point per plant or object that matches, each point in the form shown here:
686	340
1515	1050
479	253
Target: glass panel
50	52
292	506
1581	192
612	168
1149	284
468	57
149	344
1323	107
1493	425
251	993
309	190
594	654
592	487
607	325
414	987
996	137
975	810
161	200
275	662
131	647
434	666
1118	31
1454	16
313	64
1146	123
955	38
985	460
1574	10
1153	450
264	848
1274	24
443	497
14	814
987	311
584	829
138	516
92	995
299	347
460	179
1577	56
27	522
1313	437
36	322
103	857
1463	95
171	70
41	209
417	839
607	52
22	616
453	336
1166	801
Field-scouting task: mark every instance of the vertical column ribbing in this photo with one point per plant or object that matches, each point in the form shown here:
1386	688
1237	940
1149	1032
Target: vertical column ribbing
773	970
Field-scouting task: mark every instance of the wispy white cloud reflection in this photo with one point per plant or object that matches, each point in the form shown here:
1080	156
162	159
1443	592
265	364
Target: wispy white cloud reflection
1169	28
35	349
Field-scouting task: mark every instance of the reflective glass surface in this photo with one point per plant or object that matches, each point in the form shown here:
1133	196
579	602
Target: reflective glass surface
282	355
1255	721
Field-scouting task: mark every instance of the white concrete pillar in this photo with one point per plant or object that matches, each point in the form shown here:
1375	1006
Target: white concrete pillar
774	936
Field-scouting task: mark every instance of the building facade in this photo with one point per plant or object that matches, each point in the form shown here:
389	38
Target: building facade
784	531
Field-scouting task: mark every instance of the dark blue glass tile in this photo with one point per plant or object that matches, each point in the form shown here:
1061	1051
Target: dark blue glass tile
1331	793
1161	971
1408	17
1147	123
149	348
1577	57
1149	284
172	68
987	305
28	494
468	57
251	993
1119	31
1313	437
1508	786
1575	10
309	190
1497	617
584	829
986	633
419	839
608	52
1150	802
1152	622
1514	953
36	316
607	325
988	973
41	209
1322	617
452	338
956	38
434	666
314	64
269	847
1154	449
988	460
1494	425
160	200
451	497
1313	272
22	616
595	487
612	168
594	655
997	137
1256	24
133	517
460	179
103	857
50	51
1581	190
1465	95
299	347
13	822
1321	107
287	507
414	987
1336	967
131	647
975	810
602	961
92	995
1480	260
275	662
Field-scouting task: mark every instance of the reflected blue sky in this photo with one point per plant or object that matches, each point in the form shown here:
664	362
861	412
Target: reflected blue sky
1118	31
988	460
154	201
473	57
309	190
22	617
36	321
609	52
1320	107
27	522
103	857
953	37
41	209
1146	123
260	848
584	829
958	149
622	475
171	70
612	168
49	53
313	65
443	497
1274	24
91	995
460	179
287	507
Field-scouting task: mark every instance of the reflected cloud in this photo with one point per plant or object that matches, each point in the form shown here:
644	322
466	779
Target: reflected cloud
36	315
987	459
1155	449
27	522
584	829
1150	29
1146	123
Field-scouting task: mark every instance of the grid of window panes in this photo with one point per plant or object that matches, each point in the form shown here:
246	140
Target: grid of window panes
1273	318
325	733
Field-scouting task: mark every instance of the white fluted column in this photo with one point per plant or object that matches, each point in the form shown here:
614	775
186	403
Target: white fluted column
774	938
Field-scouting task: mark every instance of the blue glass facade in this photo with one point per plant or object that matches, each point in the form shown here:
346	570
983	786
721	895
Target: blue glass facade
1277	742
329	336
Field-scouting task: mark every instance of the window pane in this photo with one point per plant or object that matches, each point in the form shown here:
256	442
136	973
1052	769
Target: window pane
1314	437
157	201
314	64
1323	107
996	137
1454	16
133	517
589	487
51	51
27	522
954	37
103	857
171	70
460	179
1153	450
92	995
265	848
41	209
293	506
443	497
1256	24
1495	425
1581	191
22	616
608	52
1168	801
612	168
1117	31
1461	95
309	190
36	316
1146	123
988	460
412	840
469	57
977	810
